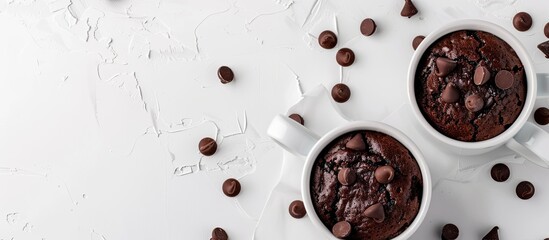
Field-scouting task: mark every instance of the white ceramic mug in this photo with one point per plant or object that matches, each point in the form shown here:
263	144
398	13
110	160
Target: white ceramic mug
525	138
300	141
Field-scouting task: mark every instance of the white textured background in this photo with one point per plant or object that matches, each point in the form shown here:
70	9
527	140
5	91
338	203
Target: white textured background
103	102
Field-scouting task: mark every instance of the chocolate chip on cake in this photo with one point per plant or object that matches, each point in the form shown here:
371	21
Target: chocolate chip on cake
297	209
384	174
408	10
341	93
544	48
474	103
504	79
525	190
482	75
327	39
345	57
546	30
417	40
356	143
375	212
296	117
368	27
341	229
225	74
500	172
450	94
346	176
492	235
219	234
444	66
231	187
449	232
541	116
522	21
207	146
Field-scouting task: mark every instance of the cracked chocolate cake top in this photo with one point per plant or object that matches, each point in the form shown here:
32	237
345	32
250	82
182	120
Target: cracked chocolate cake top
370	181
470	85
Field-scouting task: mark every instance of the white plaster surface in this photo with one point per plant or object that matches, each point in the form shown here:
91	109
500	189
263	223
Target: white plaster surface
103	103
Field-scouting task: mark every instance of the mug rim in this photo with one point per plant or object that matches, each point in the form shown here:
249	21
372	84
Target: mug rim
367	126
516	45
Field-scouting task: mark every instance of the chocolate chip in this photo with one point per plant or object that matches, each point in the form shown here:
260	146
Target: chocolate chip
346	176
368	27
231	187
444	66
500	172
408	10
297	209
450	232
492	235
541	116
356	143
296	117
544	47
474	103
504	79
327	39
375	212
341	229
384	174
450	94
207	146
482	75
345	57
219	234
417	40
525	190
546	30
341	93
522	21
225	74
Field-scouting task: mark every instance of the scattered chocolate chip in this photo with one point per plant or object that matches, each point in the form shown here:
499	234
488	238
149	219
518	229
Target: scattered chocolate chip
297	209
522	21
341	229
219	234
544	47
384	174
207	146
450	232
417	40
368	27
500	172
225	74
492	235
504	79
408	10
525	190
541	116
546	30
296	117
474	103
231	187
345	57
482	75
327	39
450	94
375	212
356	143
346	176
444	66
341	93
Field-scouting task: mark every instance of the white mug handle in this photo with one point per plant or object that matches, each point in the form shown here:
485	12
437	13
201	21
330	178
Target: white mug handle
292	136
531	141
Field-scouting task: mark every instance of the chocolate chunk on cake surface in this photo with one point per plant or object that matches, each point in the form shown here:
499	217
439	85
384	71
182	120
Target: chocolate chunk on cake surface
374	210
502	94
